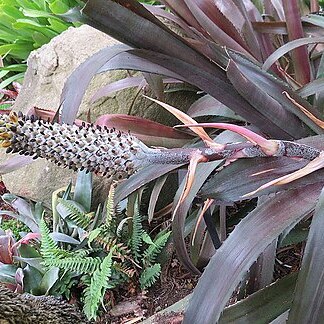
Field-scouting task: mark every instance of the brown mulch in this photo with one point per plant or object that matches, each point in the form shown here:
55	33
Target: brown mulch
175	283
288	260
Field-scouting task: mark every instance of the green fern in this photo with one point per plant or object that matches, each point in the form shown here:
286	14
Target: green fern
129	272
154	249
149	276
49	248
110	209
137	234
76	264
94	294
109	243
76	214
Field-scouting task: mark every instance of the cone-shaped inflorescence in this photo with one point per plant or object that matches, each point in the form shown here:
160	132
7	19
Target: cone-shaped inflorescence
97	149
115	154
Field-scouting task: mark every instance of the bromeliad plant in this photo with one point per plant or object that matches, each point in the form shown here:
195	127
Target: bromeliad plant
269	72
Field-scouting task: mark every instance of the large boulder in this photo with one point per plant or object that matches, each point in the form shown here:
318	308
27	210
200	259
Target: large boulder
48	69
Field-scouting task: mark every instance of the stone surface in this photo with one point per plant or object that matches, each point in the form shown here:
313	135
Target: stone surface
48	69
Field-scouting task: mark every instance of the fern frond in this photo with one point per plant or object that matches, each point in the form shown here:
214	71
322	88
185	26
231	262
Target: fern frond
82	253
109	243
129	272
94	294
76	264
110	209
137	233
49	247
76	213
149	276
154	249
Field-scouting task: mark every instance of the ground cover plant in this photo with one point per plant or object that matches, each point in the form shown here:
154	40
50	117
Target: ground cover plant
94	250
258	66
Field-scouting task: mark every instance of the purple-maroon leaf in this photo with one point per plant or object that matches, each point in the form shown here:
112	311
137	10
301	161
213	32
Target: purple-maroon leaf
308	302
246	175
209	106
5	111
275	5
141	178
150	132
181	9
78	81
248	240
218	31
202	172
300	57
249	14
155	196
290	46
14	163
117	86
272	121
6	253
261	272
263	89
226	16
140	32
212	82
159	12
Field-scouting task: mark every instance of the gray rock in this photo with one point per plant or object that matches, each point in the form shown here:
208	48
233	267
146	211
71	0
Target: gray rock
48	69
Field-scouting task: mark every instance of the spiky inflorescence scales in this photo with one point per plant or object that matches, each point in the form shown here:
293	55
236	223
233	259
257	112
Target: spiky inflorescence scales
97	149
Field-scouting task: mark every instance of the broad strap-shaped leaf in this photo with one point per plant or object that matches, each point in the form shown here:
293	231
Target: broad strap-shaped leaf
300	58
266	304
211	81
308	303
281	51
209	106
246	175
83	190
143	30
180	214
141	178
78	81
248	240
149	132
14	163
118	85
263	89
